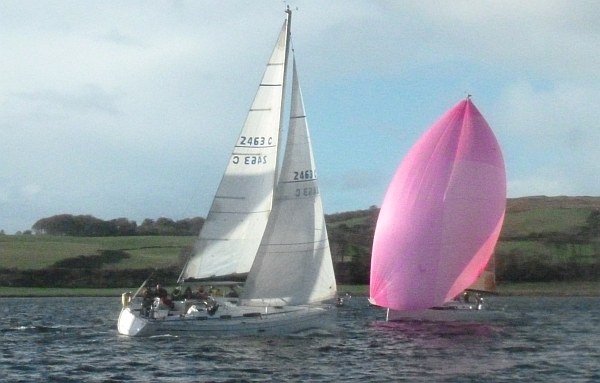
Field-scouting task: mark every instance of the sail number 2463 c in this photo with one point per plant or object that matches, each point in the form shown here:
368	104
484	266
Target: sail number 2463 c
249	160
253	142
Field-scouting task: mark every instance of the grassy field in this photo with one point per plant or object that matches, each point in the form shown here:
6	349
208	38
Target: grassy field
46	292
34	252
591	289
504	289
544	220
583	253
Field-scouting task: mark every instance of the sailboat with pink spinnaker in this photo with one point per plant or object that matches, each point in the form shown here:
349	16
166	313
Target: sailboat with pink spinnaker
440	219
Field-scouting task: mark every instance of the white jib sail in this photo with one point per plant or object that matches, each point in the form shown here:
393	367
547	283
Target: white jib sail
293	265
238	216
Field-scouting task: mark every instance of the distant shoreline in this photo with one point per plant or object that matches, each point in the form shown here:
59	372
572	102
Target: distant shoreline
550	289
565	289
556	289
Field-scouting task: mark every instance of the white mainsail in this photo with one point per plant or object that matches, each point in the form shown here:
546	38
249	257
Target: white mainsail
238	216
293	265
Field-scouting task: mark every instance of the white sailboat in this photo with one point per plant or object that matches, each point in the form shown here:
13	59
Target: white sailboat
263	233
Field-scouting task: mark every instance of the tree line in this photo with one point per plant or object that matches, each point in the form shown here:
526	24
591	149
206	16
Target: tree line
90	226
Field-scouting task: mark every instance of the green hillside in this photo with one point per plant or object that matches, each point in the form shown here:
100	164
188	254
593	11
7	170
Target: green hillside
543	239
528	215
34	252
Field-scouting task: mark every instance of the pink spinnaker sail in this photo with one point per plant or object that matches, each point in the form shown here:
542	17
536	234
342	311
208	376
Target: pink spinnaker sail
441	215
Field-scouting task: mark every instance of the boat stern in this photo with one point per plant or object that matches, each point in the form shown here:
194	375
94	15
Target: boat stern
129	323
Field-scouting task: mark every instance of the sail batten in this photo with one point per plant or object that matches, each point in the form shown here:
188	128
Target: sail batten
241	213
298	182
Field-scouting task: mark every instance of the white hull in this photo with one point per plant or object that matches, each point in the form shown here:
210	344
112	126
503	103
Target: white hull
230	319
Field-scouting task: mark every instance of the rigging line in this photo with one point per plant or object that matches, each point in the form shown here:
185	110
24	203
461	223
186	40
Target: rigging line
143	284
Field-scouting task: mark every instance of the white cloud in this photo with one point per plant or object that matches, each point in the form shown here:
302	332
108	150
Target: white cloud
4	195
127	108
31	191
557	132
566	115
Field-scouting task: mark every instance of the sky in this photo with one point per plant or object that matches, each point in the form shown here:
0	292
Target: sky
131	108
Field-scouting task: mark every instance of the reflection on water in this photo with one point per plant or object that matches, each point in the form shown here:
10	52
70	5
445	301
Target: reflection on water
532	339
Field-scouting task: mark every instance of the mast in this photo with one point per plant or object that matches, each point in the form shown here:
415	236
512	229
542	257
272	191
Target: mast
288	11
289	16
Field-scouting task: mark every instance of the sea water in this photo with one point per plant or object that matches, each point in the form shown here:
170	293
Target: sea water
529	340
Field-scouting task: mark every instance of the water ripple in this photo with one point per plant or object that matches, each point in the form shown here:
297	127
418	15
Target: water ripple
75	340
